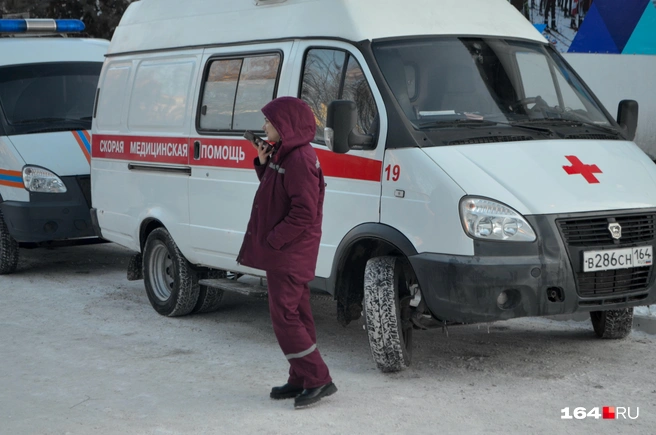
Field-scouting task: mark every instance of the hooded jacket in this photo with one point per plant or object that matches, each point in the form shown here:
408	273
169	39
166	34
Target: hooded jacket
284	230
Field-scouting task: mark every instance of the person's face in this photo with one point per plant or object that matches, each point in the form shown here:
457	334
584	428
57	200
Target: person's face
271	133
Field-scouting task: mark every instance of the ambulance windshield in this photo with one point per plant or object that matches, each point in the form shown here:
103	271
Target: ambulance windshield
458	82
48	96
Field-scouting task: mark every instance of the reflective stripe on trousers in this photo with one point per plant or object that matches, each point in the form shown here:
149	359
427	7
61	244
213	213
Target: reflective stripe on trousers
302	354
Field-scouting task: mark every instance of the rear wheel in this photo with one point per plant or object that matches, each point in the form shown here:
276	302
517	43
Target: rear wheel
209	298
171	283
8	249
612	323
387	313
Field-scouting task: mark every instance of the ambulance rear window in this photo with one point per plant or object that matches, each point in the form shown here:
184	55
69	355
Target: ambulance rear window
48	96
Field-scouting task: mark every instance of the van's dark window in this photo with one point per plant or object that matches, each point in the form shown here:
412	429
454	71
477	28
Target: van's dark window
48	96
235	90
331	75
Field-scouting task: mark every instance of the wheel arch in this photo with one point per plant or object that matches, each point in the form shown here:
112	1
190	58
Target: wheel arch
346	281
147	226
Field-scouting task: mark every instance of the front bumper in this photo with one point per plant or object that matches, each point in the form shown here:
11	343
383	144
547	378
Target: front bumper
52	216
540	278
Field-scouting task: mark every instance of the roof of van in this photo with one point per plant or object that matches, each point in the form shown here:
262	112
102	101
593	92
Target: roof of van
158	24
28	49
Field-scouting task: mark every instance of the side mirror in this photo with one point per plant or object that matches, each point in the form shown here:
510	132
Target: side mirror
340	133
627	117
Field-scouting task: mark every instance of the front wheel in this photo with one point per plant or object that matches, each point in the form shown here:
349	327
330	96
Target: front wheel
171	283
612	323
387	313
8	249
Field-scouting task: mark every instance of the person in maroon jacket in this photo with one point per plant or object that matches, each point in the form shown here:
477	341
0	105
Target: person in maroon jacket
283	237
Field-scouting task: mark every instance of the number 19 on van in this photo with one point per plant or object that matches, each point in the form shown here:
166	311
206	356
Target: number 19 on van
395	172
606	413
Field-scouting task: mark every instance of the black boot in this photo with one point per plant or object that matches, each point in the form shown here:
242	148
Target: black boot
313	395
286	391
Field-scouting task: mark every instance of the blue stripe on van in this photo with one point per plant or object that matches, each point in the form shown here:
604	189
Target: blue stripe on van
11	178
86	143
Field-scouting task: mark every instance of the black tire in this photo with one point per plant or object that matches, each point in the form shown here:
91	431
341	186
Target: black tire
171	283
8	249
390	336
612	323
209	298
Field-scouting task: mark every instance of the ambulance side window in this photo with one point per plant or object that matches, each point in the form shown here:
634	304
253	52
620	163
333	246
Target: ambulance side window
234	91
330	75
160	94
110	103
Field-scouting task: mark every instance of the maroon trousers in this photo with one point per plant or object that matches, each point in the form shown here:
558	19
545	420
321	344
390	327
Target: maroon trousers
291	315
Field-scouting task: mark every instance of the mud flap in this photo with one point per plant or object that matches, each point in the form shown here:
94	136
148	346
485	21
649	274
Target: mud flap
135	268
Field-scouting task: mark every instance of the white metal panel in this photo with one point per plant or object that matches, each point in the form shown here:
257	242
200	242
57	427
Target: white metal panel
421	201
11	164
57	151
126	198
157	24
37	50
530	176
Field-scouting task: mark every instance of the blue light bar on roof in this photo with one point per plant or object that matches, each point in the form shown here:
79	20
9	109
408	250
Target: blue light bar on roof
69	26
41	26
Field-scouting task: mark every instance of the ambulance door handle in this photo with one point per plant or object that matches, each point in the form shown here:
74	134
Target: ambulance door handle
196	150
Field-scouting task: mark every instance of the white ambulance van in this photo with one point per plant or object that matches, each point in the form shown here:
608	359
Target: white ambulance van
471	175
48	83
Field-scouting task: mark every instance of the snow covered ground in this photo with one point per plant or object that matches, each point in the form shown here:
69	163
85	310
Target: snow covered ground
83	352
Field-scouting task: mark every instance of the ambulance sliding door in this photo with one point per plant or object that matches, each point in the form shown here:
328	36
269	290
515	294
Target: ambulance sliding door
236	83
333	70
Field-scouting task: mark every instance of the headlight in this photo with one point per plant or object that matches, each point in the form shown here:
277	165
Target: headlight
42	180
490	220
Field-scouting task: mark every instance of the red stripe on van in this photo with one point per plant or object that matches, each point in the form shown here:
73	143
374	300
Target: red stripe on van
170	150
11	173
222	153
12	184
346	166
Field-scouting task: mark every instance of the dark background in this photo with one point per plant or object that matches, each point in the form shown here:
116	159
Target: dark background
100	16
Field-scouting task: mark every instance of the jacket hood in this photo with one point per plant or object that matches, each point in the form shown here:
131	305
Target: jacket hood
294	121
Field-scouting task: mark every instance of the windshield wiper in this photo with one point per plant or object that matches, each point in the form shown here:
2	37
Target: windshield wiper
457	123
519	124
573	122
483	123
582	123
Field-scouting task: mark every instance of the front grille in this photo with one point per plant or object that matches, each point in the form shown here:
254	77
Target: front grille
612	282
594	231
581	234
84	181
490	139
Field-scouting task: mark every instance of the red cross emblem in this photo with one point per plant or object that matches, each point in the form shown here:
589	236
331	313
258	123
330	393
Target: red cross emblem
578	167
